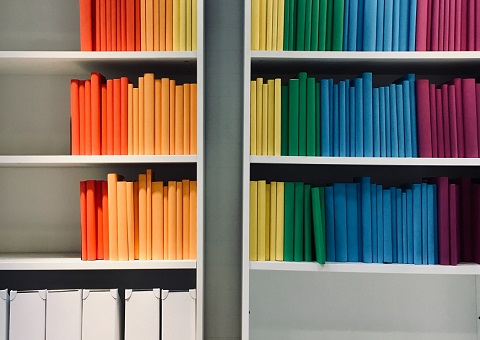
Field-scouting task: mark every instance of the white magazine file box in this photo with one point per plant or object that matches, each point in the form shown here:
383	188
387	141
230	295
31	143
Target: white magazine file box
4	313
64	314
101	314
27	314
178	315
142	314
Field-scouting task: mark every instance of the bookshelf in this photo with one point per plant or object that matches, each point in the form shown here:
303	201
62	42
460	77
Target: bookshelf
40	209
306	300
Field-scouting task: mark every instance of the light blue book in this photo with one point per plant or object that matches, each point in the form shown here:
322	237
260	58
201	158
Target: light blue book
380	24
359	117
365	189
409	226
431	218
352	122
352	222
387	226
393	197
399	214
388	132
367	114
424	227
346	24
380	224
374	224
412	24
407	118
336	121
403	25
417	223
388	26
352	24
376	122
340	201
396	26
342	120
400	121
393	120
404	228
383	133
325	117
347	116
370	25
329	223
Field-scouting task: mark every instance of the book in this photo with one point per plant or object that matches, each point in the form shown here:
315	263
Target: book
423	116
280	221
465	213
417	223
359	129
277	150
454	206
360	24
366	218
322	26
265	119
400	121
470	122
452	108
284	121
275	16
318	224
375	224
179	120
194	25
388	131
307	222
172	102
433	120
410	229
352	222
122	221
130	212
382	121
158	117
105	222
370	25
342	121
403	25
270	118
193	118
298	241
352	128
314	25
352	33
398	255
387	226
259	110
149	213
83	219
337	32
424	223
185	218
340	216
86	25
88	117
192	238
412	24
302	114
394	121
112	217
74	117
457	82
325	117
311	132
367	114
301	25
293	117
99	222
407	117
281	25
446	120
179	223
172	222
142	215
393	197
440	130
262	220
388	26
329	223
336	121
405	225
396	26
268	228
289	221
380	227
82	118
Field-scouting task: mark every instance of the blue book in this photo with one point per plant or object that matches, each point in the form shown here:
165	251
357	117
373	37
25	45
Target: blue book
352	222
435	225
360	24
380	24
383	136
340	201
409	107
342	120
302	114
400	121
396	26
336	122
393	120
365	188
329	223
347	117
325	117
331	107
380	224
367	114
370	25
431	259
373	191
388	26
318	120
376	122
352	18
352	121
298	236
404	227
403	26
346	24
424	227
412	24
359	117
407	118
417	223
388	134
399	252
409	226
393	198
359	225
387	226
413	113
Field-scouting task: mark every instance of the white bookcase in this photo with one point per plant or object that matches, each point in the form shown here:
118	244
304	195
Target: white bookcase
306	300
39	180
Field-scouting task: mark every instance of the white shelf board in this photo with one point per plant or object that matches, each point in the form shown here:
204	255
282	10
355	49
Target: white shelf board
78	161
372	268
367	161
73	262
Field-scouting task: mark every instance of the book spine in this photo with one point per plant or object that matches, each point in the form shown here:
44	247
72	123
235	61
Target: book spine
340	214
352	32
407	119
396	26
302	114
318	224
375	223
433	120
359	149
367	114
423	119
435	25
338	16
383	137
352	222
394	120
470	127
380	224
289	221
280	221
284	122
393	198
293	117
404	26
412	24
342	123
452	107
388	26
440	132
424	223
387	226
370	22
325	117
400	121
307	222
399	214
298	237
329	223
311	132
83	219
74	117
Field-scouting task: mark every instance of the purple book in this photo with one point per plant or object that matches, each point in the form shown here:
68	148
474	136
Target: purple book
470	126
424	130
433	120
454	206
466	234
459	109
443	219
446	121
452	108
441	140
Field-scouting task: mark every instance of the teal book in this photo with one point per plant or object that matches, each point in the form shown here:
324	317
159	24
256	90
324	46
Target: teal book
417	223
308	26
293	97
388	132
340	218
332	114
298	244
346	23
319	224
322	25
289	221
342	119
404	26
399	214
367	114
338	16
387	226
315	25
376	122
336	121
360	24
366	222
352	32
329	31
393	120
396	26
380	20
388	26
352	113
380	224
284	127
307	222
302	114
404	228
373	191
301	16
407	119
424	228
286	26
383	136
318	120
347	117
409	226
329	223
311	117
359	117
370	25
353	251
400	121
393	197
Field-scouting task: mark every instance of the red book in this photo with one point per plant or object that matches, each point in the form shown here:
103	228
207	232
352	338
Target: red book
463	41
422	24
452	108
466	211
471	25
81	98
74	118
117	101
447	26
441	26
97	26
103	25
130	30
106	253
110	141
423	118
96	97
88	117
124	116
108	23
83	217
433	121
452	25
429	25
441	140
435	24
138	20
459	109
104	120
119	25
458	25
91	222
446	121
443	219
86	25
454	217
470	121
123	17
114	25
99	208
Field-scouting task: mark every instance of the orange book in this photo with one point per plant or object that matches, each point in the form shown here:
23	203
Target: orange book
114	25
172	117
88	117
149	26
99	208
162	14
186	218
158	117
156	25
124	24
186	119
74	117
108	23
96	102
135	121
169	25
119	25
157	220
81	106
149	113
142	216
138	22
193	119
112	217
130	222
136	251
122	221
124	116
179	220
103	25
193	220
130	119
149	214
117	117
110	116
141	116
143	25
104	119
96	26
83	217
179	120
172	220
86	25
165	222
91	222
165	112
130	22
176	24
106	239
182	26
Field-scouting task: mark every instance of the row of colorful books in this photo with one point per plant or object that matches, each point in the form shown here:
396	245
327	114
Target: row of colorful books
141	220
112	117
138	25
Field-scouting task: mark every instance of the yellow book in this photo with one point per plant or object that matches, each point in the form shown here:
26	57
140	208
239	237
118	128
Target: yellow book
186	119
130	119
122	221
158	117
186	219
193	118
267	223
157	220
278	118
165	222
263	26
269	40
165	135
280	24
194	24
149	113
179	221
142	216
143	27
130	222
262	219
149	214
183	25
135	122
188	46
176	25
253	220
192	239
255	43
271	118
141	116
149	26
112	217
253	117
265	119
172	117
156	25
280	220
275	25
179	117
259	115
172	220
273	221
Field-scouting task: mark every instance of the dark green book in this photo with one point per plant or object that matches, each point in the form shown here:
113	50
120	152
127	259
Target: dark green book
284	129
298	225
301	16
338	16
289	221
308	26
315	25
318	212
318	120
311	117
286	26
302	114
293	95
322	25
329	32
293	24
307	222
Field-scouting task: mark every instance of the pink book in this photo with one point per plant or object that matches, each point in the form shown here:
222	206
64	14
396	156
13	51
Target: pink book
446	32
435	24
458	25
453	200
451	29
429	25
471	25
422	18
433	120
441	26
446	121
452	108
466	211
459	109
443	219
463	41
441	140
470	127
423	118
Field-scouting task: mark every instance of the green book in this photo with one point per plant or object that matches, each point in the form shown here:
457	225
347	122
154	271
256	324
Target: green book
298	224
311	117
307	222
289	220
286	26
338	16
301	13
293	24
308	26
284	128
302	114
329	32
322	25
318	120
315	25
293	95
318	212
